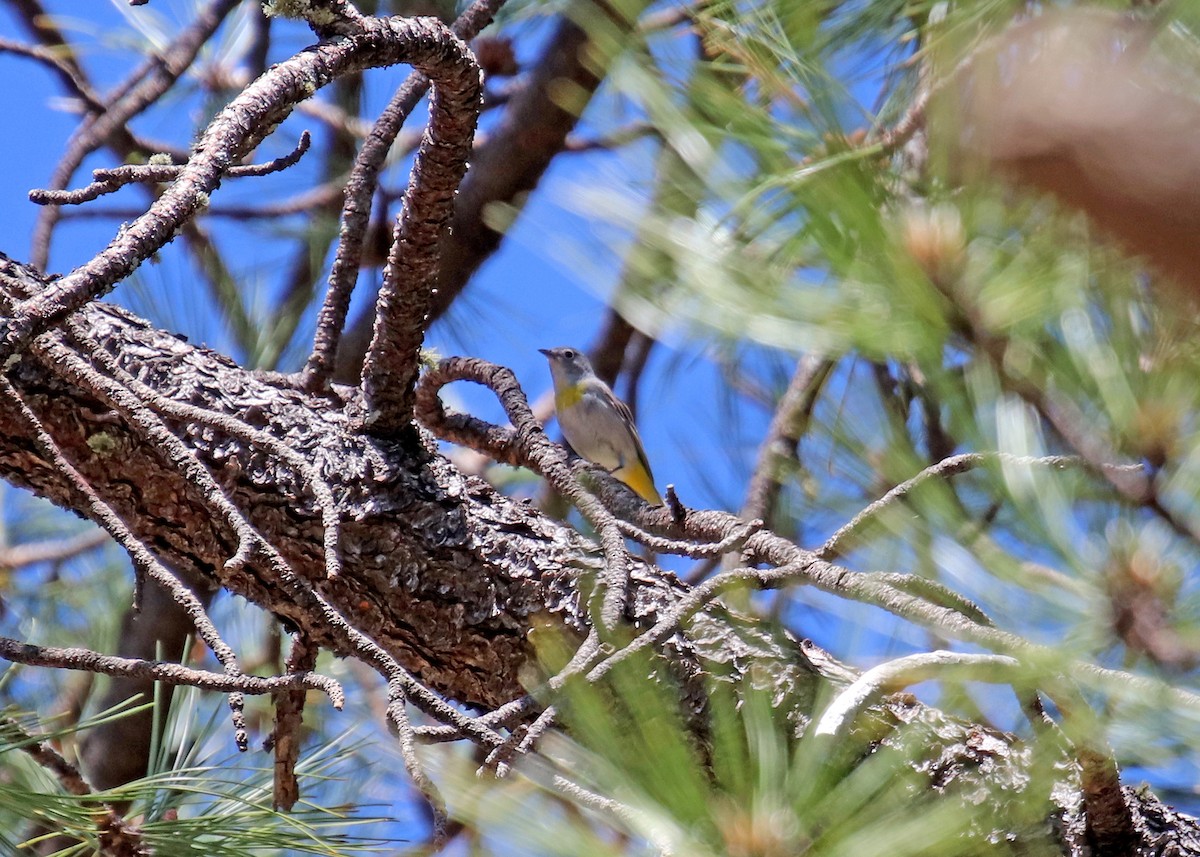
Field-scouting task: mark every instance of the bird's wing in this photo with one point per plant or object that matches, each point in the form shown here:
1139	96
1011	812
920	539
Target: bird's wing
627	418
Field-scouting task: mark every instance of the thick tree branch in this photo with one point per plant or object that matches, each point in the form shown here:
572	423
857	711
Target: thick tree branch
402	307
356	211
439	571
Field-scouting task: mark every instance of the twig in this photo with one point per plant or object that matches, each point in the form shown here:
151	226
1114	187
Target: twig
615	139
44	29
55	550
143	88
86	660
301	203
684	547
67	774
834	545
68	71
787	427
112	179
398	717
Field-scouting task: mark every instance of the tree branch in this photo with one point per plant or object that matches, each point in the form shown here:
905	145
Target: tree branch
233	133
142	89
356	211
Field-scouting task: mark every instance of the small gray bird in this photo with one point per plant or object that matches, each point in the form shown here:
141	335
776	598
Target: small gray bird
596	423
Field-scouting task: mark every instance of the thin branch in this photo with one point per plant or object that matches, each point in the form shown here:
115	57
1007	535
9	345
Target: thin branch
302	203
56	550
834	546
61	61
614	139
86	660
235	131
67	774
398	717
689	548
142	89
788	425
112	179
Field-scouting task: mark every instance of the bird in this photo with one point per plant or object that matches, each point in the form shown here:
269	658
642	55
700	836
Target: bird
596	424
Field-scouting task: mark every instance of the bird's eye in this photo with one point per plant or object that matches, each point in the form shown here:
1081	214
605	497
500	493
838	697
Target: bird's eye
569	354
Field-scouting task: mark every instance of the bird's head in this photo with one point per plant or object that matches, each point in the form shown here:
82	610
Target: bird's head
567	365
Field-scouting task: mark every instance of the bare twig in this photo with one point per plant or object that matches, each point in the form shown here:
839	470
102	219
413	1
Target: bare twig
398	717
44	29
112	179
87	660
834	545
143	88
62	62
306	201
787	427
692	549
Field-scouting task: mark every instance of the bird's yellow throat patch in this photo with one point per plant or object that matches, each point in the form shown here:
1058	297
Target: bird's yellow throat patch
568	397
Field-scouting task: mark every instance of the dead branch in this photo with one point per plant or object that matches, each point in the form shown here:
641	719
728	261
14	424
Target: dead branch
112	179
140	90
169	673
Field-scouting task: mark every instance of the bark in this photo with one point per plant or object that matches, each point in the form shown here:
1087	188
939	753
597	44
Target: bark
446	574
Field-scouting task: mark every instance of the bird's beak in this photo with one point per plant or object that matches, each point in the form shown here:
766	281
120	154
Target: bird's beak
545	351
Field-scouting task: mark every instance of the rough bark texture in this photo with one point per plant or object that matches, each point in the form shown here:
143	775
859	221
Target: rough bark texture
445	573
442	570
